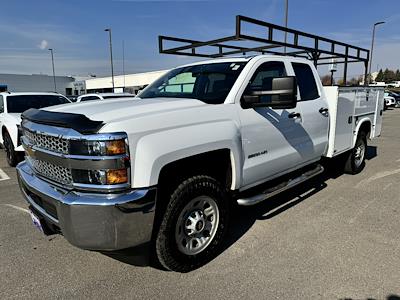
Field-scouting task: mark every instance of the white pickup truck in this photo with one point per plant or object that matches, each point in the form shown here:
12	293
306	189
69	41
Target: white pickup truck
166	168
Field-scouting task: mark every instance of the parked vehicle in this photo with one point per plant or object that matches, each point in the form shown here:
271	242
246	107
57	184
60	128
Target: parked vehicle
168	167
396	97
103	96
72	98
394	84
11	107
389	100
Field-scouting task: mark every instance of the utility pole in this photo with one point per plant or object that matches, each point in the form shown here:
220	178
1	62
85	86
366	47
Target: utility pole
123	62
54	73
111	58
372	49
286	21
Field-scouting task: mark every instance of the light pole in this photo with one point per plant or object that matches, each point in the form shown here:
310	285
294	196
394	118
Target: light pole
54	73
286	21
111	58
123	62
372	50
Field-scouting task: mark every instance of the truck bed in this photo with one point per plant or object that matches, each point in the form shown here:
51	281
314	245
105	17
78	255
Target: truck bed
348	108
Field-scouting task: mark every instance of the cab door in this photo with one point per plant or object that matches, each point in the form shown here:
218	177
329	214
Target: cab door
314	112
271	138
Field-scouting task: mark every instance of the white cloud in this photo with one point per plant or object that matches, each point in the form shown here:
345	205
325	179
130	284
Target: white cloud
43	44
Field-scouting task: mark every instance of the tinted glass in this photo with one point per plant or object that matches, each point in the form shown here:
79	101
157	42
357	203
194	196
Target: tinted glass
1	104
114	97
262	78
18	104
306	81
88	98
209	83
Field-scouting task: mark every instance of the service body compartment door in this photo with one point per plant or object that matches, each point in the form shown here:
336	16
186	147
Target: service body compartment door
341	116
344	121
377	127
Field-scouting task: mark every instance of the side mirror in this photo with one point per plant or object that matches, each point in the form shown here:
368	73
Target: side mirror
282	95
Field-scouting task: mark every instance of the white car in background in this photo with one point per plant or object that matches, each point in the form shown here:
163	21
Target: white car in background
389	100
11	107
103	96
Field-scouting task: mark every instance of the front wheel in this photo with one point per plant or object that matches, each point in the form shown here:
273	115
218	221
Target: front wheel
355	162
194	224
12	156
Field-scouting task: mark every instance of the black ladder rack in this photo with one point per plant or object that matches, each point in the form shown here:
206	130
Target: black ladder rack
299	44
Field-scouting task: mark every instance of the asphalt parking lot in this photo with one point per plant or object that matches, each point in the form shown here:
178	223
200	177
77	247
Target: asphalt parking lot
333	238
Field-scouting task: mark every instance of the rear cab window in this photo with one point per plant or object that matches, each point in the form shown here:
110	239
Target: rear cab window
306	81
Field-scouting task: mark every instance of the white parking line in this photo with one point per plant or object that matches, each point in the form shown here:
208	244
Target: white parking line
17	208
3	175
378	175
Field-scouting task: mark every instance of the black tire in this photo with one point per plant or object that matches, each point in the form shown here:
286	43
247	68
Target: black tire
354	164
167	249
13	158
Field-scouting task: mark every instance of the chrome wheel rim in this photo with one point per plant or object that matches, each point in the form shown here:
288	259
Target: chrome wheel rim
197	225
359	154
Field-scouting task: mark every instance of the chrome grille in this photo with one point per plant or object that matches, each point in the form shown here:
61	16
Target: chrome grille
51	171
48	142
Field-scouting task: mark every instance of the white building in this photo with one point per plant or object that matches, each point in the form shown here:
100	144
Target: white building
36	83
131	83
76	85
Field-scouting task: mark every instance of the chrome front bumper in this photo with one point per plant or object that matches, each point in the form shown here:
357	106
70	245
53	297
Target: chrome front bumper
92	221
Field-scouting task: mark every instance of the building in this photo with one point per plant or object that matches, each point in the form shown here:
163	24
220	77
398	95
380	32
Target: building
77	85
130	83
36	83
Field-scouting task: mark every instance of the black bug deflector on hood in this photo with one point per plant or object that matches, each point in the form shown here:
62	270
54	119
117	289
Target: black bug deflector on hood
78	122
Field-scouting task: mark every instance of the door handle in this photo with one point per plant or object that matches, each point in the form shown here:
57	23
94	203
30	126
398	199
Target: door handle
323	110
294	115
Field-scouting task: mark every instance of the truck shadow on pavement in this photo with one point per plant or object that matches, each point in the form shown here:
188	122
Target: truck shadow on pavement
243	218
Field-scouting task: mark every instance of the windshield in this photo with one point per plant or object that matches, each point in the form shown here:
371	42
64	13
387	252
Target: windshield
209	83
116	97
18	104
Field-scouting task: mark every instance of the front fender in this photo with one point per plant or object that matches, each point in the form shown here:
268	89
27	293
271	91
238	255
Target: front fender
156	150
10	126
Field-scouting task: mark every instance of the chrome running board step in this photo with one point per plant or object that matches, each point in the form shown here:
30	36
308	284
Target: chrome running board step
280	187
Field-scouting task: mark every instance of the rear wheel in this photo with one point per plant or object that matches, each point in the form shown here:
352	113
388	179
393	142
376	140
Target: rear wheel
13	158
194	224
355	162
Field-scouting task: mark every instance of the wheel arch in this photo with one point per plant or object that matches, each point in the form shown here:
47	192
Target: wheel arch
364	125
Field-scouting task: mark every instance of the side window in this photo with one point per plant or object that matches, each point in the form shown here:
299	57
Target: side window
262	78
1	104
306	81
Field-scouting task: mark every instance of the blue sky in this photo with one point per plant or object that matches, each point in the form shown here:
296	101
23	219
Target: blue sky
75	29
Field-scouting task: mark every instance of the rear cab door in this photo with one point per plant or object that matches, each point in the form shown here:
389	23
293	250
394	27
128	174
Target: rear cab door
313	106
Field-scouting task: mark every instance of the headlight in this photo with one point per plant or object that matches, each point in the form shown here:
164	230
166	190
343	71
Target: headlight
98	148
100	177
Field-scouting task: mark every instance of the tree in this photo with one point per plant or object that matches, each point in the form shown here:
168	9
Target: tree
353	81
388	75
397	75
379	77
326	80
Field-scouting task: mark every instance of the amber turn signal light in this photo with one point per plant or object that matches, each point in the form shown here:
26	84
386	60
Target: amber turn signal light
117	176
115	147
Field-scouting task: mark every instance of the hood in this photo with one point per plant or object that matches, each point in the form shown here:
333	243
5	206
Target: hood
119	110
